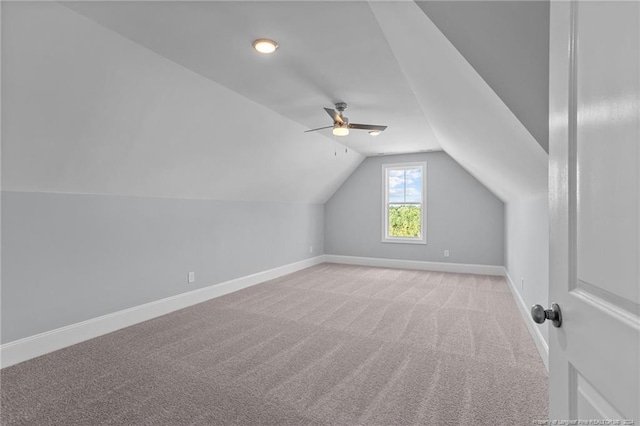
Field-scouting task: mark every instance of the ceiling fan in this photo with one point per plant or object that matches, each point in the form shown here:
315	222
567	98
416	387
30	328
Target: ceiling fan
341	124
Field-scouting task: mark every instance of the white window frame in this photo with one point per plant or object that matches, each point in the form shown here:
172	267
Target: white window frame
422	239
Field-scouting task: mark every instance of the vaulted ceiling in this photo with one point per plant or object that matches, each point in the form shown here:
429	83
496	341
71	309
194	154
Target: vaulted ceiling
195	104
507	44
329	52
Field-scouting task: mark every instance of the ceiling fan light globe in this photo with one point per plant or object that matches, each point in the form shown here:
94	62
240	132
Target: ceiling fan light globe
340	131
374	132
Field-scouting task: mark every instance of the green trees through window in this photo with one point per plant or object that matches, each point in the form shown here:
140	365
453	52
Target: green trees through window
404	208
404	221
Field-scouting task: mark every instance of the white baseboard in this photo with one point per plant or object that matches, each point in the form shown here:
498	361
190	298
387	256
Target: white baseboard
534	329
30	347
33	346
417	264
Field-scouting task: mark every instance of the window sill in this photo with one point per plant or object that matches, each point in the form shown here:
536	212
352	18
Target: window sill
403	241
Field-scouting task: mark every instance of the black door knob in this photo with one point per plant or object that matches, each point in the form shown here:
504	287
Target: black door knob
540	314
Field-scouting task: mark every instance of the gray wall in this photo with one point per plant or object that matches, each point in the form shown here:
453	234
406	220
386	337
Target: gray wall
507	43
462	215
68	258
86	111
527	250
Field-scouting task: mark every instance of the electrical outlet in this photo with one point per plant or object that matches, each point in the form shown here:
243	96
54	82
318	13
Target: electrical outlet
310	249
191	278
446	253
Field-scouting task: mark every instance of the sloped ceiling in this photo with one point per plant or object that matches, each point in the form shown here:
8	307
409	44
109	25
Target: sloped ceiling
507	43
168	99
471	122
86	110
329	52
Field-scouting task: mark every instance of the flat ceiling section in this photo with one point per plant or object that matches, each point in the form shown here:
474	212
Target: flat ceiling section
329	52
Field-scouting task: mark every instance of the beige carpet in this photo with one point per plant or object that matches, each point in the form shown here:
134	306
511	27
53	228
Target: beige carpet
332	344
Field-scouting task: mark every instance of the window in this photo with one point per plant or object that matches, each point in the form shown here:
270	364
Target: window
404	211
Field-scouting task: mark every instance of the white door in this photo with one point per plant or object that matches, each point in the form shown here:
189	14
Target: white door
594	183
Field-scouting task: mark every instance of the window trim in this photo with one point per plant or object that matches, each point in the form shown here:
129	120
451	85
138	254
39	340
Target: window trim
385	211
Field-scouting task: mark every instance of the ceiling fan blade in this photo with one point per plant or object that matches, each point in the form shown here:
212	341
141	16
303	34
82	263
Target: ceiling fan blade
334	115
366	127
319	128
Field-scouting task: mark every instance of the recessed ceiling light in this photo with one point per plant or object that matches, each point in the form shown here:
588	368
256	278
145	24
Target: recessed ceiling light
264	45
374	132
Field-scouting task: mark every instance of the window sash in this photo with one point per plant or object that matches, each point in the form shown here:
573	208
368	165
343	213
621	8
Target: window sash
404	171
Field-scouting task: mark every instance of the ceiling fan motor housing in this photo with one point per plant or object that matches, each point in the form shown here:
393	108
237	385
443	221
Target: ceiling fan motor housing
340	107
